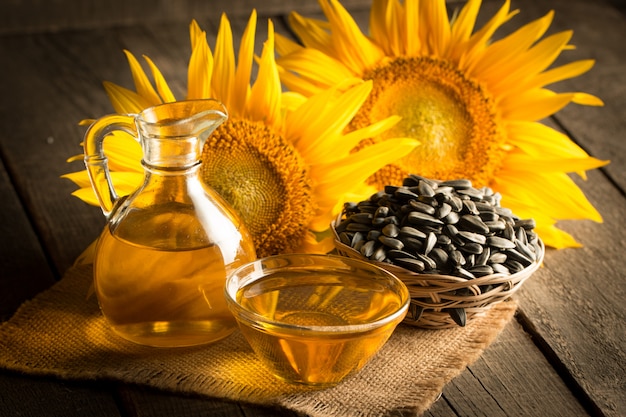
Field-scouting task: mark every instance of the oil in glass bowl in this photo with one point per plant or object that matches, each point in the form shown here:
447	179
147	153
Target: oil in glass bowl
315	319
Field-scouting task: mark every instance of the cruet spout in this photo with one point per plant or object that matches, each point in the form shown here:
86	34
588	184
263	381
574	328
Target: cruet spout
171	135
195	119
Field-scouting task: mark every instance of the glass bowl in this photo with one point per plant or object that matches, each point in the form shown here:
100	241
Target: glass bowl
314	319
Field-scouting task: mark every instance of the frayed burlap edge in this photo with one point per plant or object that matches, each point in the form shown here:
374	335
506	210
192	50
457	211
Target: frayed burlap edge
60	333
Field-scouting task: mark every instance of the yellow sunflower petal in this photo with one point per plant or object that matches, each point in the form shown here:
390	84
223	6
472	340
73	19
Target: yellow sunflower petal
125	101
264	103
123	182
462	29
311	32
571	70
518	162
314	67
352	47
385	14
142	83
480	40
164	90
535	104
434	26
500	54
123	152
200	68
413	43
555	195
285	46
80	178
241	89
539	140
524	67
223	77
343	109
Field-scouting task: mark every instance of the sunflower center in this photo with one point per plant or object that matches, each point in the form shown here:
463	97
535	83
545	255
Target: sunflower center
264	179
453	118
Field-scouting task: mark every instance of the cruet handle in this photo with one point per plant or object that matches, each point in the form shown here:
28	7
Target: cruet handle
96	161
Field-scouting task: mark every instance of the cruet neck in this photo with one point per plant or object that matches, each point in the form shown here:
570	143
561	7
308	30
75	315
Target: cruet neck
173	134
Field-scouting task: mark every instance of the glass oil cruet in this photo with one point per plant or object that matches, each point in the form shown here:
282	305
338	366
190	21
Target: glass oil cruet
162	258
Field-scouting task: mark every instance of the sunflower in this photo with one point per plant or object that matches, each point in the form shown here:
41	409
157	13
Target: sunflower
281	160
474	103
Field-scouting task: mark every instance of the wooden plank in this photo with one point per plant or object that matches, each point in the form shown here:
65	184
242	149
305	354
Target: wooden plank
22	256
42	106
152	403
35	397
575	305
511	378
58	15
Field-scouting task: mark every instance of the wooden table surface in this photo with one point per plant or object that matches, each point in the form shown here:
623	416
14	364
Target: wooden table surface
564	355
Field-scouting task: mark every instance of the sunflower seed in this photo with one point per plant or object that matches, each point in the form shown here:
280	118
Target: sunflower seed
379	254
364	218
381	211
373	234
391	242
464	273
391	230
422	207
452	218
519	257
412	244
367	249
358	227
414	265
443	240
483	257
431	241
358	236
472	247
513	266
412	232
418	218
481	270
457	258
429	263
500	242
458	184
473	237
526	224
473	224
404	194
395	253
458	315
440	257
500	269
345	238
443	210
497	258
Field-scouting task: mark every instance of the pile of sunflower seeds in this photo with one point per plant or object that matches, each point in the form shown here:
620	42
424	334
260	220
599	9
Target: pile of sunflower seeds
440	227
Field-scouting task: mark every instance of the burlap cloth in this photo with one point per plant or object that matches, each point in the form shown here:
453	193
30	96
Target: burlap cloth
61	333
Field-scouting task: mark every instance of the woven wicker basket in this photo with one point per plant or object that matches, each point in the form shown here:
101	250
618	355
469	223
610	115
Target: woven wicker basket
433	297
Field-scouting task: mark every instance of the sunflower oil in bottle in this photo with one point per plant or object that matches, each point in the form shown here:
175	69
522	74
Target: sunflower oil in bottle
162	259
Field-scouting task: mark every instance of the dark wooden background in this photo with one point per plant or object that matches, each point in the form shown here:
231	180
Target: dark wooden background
565	355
